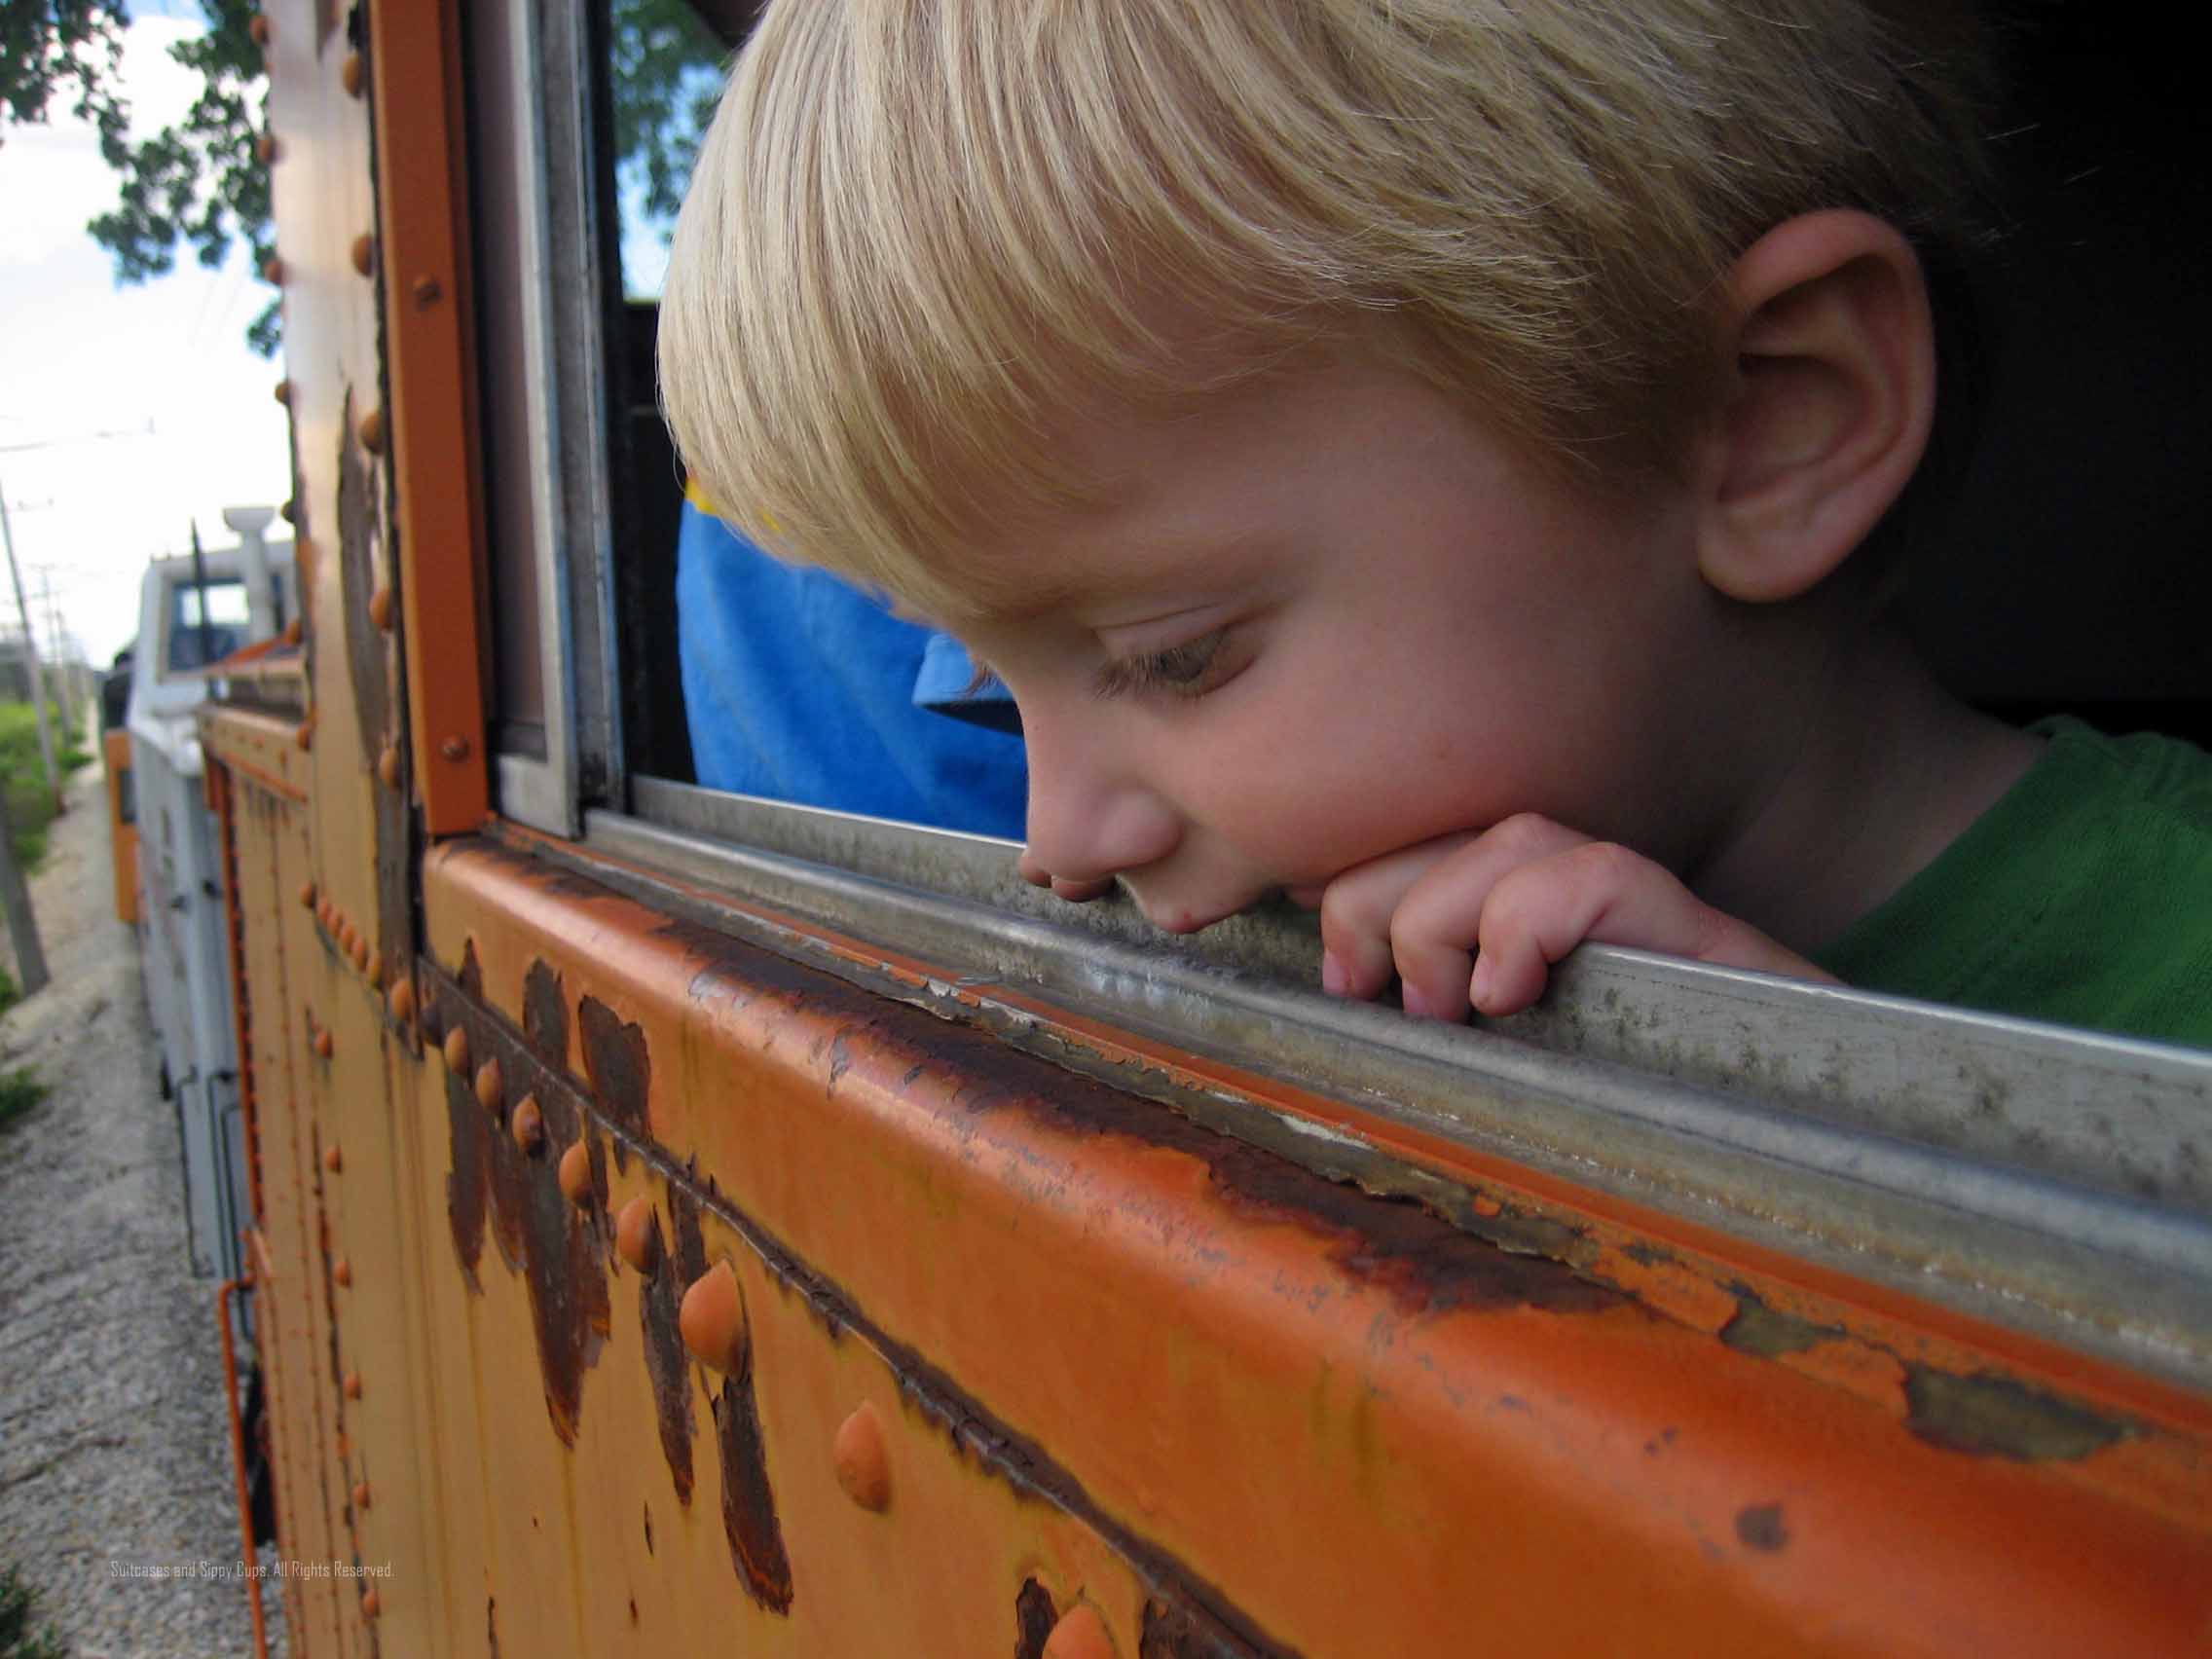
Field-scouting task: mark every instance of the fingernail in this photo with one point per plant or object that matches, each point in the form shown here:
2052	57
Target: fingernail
1332	974
1416	1004
1478	987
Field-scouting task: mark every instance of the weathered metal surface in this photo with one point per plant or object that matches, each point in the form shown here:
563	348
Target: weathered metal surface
2078	1262
2125	1116
432	557
1325	1390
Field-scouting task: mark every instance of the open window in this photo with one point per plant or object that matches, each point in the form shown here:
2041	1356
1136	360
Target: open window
1851	1130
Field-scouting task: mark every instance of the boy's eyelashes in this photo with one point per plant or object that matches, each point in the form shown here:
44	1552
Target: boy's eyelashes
1191	669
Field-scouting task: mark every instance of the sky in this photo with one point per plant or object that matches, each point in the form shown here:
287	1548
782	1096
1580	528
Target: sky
125	414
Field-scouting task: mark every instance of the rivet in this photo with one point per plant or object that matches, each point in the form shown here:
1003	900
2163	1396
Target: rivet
529	1126
371	431
576	1175
265	148
375	973
862	1461
388	767
711	1319
364	253
352	1384
346	938
454	749
273	271
456	1049
303	734
327	914
371	1603
637	1240
307	895
342	1271
379	606
1081	1634
289	512
293	632
360	954
323	1044
283	391
491	1087
402	1000
360	1495
258	27
332	1159
429	291
351	75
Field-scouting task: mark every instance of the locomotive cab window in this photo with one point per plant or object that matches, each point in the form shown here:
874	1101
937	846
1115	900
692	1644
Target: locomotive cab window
672	697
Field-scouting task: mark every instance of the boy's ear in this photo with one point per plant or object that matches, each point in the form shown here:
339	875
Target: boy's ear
1826	404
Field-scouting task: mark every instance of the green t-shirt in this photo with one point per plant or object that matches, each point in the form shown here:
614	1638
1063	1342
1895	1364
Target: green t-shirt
2083	896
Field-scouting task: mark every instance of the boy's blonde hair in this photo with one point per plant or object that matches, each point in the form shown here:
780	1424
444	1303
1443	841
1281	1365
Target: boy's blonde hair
921	230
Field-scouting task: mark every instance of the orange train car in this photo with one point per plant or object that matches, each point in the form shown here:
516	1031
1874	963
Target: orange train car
686	1223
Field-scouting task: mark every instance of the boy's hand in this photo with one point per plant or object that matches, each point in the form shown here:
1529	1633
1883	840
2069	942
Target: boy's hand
1481	918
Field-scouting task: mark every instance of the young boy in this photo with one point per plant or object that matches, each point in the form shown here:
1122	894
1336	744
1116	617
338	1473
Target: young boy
1410	454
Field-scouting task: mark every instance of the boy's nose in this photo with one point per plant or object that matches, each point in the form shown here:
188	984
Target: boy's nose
1089	819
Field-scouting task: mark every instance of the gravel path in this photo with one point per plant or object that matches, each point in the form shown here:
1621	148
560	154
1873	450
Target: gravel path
114	1445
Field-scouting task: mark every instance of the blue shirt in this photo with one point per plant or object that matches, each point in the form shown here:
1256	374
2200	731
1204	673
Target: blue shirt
800	687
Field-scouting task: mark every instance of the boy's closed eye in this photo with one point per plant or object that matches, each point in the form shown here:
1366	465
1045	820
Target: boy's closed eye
1188	669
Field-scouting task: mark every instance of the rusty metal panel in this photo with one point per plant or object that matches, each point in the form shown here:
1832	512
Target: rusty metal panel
1285	1415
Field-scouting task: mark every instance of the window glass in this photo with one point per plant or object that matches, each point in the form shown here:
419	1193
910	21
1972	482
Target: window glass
207	623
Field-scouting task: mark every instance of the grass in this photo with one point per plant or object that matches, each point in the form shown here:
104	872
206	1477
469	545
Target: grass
20	1094
18	1641
22	774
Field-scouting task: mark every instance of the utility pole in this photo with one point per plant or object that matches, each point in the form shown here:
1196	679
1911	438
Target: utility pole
37	673
15	905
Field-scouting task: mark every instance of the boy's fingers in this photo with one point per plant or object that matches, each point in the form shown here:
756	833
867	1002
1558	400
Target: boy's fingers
1439	916
1075	891
1538	912
1357	909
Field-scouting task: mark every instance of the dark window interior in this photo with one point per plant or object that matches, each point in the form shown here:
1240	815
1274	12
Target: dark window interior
2070	573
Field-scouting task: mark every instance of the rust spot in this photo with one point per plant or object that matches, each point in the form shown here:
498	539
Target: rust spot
1757	1329
1758	1527
1034	1616
620	1069
1174	1633
1425	1262
541	1233
669	1368
749	1505
466	1189
491	1625
545	1014
1991	1415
